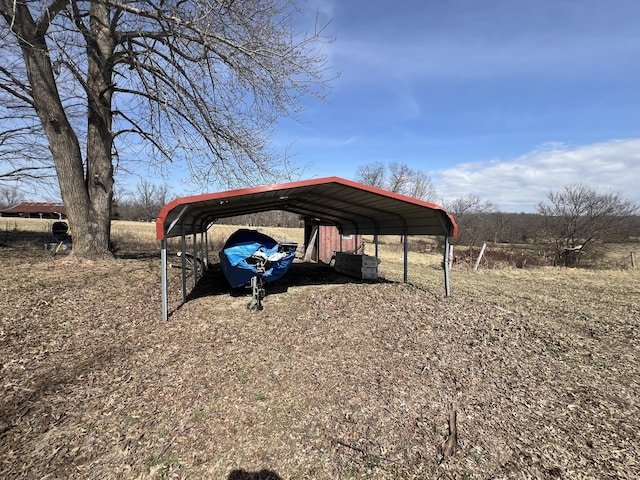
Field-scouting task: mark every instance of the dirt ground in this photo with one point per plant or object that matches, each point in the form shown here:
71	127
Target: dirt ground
334	379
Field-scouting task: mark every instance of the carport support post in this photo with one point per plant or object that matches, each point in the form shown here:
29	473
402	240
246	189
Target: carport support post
163	278
447	286
183	249
195	258
406	257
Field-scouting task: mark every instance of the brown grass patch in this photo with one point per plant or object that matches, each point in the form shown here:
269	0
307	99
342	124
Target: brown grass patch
333	379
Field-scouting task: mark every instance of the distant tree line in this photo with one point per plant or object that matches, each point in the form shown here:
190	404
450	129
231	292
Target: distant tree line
145	202
573	223
273	218
141	205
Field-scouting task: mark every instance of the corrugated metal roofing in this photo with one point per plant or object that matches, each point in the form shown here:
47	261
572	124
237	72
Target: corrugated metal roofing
353	207
35	207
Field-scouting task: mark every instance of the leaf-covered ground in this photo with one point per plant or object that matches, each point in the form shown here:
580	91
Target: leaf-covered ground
334	379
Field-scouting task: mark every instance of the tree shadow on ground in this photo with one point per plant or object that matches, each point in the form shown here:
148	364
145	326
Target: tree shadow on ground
13	237
299	274
56	379
263	474
136	255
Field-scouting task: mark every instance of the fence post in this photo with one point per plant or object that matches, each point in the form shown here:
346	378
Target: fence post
484	245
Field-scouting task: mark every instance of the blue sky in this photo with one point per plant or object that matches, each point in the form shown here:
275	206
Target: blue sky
503	99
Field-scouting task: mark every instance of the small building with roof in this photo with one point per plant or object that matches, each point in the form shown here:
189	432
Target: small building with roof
48	210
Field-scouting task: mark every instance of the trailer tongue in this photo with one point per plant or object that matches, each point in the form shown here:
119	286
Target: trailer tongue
250	258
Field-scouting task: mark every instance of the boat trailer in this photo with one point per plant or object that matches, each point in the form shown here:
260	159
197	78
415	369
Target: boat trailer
263	262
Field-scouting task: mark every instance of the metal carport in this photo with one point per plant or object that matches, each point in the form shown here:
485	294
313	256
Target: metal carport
353	207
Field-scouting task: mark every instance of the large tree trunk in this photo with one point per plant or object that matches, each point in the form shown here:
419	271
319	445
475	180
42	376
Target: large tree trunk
99	166
86	195
191	66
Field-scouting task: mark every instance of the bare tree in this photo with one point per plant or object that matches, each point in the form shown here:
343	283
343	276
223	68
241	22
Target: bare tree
471	216
397	178
372	174
24	162
150	199
421	187
577	218
142	204
202	81
10	196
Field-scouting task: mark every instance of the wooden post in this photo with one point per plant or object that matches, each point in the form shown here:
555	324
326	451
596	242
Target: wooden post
484	245
375	241
311	251
633	259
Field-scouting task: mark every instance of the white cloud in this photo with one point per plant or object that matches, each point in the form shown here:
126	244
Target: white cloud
521	183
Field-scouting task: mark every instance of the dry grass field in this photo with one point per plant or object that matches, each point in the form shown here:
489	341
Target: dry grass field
334	379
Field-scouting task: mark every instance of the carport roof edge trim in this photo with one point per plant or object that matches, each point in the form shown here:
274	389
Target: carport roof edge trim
166	211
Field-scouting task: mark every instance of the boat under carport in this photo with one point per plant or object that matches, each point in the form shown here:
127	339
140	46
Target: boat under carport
354	208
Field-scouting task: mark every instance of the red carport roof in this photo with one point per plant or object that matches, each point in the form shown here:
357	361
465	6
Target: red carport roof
353	207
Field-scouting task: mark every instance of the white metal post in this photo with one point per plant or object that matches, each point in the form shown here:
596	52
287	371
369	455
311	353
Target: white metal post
183	249
484	245
447	286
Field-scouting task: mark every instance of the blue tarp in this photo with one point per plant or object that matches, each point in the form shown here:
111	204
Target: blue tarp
240	247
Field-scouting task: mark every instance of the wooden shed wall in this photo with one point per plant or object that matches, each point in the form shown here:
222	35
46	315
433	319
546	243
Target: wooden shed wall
330	242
